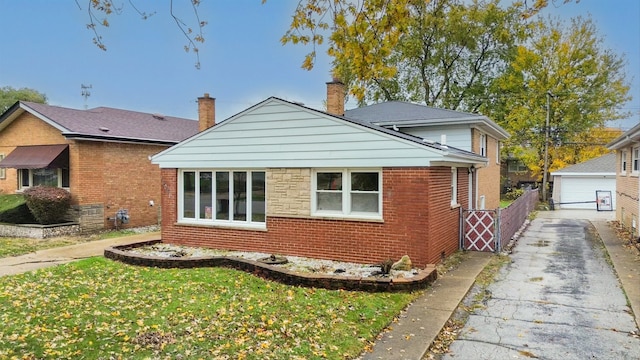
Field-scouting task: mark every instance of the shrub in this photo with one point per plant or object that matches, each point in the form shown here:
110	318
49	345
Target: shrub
514	194
49	205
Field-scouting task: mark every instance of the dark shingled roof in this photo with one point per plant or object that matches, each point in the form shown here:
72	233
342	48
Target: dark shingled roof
115	124
404	114
603	164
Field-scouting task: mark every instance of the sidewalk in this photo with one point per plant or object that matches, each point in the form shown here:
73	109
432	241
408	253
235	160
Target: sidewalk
422	321
50	257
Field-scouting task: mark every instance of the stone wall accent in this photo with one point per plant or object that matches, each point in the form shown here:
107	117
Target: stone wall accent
90	217
289	192
38	231
332	282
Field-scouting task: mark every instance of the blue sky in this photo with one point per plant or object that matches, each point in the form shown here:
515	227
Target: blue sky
46	46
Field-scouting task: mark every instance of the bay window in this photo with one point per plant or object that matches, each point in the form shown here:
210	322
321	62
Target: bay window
347	193
222	197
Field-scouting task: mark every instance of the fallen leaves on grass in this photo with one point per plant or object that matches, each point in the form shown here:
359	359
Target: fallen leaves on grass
105	309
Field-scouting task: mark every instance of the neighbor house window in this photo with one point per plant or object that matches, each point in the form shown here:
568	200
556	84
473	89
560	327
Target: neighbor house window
516	166
223	197
623	161
454	186
3	171
483	144
43	177
635	154
347	193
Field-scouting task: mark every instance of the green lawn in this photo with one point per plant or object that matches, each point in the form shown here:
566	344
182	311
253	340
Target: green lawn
10	201
20	246
97	308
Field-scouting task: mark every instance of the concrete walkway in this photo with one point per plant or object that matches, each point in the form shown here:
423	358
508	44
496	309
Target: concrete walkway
421	322
50	257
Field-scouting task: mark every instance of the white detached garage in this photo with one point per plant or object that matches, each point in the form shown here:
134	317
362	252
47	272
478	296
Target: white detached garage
575	186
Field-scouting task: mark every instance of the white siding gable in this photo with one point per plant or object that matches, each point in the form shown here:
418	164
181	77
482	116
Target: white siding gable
276	133
457	135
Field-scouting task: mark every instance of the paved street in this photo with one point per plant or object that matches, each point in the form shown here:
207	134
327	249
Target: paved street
558	299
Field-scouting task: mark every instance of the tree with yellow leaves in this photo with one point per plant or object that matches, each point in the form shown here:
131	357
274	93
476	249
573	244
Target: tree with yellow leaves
584	83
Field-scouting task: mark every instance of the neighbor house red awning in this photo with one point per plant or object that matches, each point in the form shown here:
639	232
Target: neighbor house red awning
37	157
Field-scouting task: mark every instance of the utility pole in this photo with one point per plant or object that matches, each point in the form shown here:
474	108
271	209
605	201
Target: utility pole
546	149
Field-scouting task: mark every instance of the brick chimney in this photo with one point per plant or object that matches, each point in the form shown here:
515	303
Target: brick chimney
335	97
206	112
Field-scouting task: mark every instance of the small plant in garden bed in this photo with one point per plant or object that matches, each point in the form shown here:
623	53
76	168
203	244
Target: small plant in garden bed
97	308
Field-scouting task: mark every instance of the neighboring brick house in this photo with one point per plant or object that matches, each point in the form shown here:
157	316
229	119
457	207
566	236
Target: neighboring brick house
286	179
100	155
516	175
627	148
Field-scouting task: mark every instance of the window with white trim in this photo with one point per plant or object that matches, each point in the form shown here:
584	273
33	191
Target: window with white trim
222	197
347	193
483	144
3	171
454	186
498	146
635	154
43	177
623	162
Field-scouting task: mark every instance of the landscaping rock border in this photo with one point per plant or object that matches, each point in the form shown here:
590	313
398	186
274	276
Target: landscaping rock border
332	282
36	231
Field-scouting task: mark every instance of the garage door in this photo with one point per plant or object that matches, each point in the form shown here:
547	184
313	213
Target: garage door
580	189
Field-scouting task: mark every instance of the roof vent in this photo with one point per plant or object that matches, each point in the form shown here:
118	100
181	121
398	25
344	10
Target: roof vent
102	128
428	141
158	116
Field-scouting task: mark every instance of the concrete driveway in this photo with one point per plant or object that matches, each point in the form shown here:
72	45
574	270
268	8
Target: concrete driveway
558	299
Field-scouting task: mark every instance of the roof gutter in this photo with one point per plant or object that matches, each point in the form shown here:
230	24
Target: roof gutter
117	139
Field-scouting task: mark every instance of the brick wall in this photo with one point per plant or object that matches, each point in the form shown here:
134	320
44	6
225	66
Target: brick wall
118	176
40	133
418	221
626	193
489	176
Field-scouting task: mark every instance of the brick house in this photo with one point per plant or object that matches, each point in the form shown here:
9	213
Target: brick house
282	178
100	155
627	149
